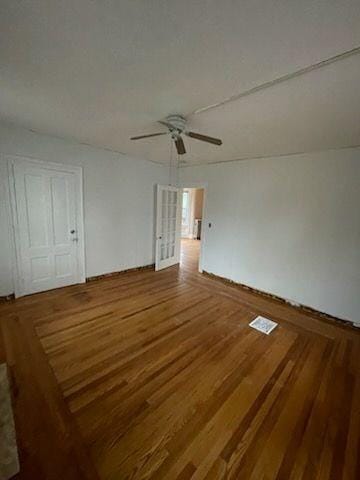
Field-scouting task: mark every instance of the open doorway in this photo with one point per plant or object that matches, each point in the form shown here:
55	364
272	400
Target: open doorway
191	227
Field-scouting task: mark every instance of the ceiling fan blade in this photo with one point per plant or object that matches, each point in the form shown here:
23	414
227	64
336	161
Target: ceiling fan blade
204	138
180	147
147	136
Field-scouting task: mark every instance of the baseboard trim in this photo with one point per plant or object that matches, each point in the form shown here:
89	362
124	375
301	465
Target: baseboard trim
7	298
303	308
151	266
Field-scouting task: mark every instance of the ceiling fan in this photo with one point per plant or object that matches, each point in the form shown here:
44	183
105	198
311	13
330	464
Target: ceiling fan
176	125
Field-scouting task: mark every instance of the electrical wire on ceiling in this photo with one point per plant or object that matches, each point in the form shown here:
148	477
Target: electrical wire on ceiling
281	79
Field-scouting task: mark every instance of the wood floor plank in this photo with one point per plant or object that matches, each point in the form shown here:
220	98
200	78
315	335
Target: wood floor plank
48	439
157	375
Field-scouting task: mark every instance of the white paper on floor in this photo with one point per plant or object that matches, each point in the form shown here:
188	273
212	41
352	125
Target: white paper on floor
263	324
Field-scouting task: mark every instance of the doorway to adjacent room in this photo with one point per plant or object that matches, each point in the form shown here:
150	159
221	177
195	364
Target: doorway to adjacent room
191	227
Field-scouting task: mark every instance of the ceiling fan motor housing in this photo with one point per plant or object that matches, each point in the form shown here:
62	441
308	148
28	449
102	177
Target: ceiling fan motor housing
177	121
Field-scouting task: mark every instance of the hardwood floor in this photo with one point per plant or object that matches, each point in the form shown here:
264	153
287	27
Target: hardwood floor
158	376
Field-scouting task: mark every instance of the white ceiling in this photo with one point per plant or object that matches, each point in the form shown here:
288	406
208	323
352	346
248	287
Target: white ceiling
102	71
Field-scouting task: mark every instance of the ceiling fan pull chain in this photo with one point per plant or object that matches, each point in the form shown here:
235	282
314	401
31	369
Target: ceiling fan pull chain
170	161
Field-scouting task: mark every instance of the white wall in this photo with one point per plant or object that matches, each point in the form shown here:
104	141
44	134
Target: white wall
118	201
289	226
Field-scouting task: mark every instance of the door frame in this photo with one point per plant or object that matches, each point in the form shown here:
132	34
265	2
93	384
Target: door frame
16	262
203	186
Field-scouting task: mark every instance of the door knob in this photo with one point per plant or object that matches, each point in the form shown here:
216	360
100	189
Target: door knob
72	231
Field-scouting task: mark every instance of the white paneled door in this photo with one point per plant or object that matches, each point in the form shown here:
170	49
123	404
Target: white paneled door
168	226
48	226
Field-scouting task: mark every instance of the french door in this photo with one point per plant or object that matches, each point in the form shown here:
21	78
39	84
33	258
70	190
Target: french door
168	226
48	225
